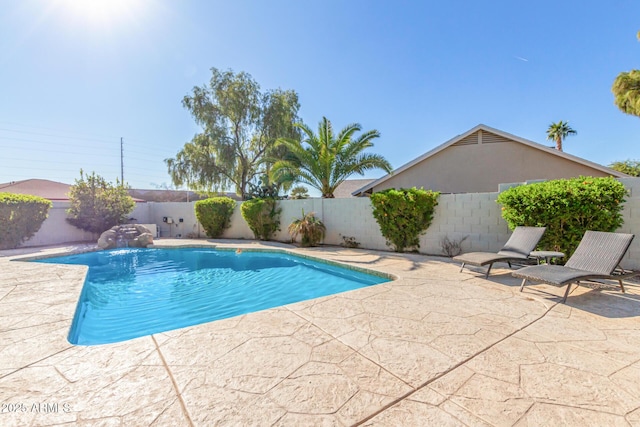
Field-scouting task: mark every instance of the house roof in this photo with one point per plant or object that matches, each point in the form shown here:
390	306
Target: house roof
51	190
162	195
347	187
507	135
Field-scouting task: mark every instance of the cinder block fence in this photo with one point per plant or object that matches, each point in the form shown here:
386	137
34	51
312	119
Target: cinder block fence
474	215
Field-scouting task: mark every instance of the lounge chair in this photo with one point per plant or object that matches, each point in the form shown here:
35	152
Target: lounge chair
520	244
597	256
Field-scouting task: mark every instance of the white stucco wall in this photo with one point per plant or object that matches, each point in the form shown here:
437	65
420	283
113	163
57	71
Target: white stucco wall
475	215
55	229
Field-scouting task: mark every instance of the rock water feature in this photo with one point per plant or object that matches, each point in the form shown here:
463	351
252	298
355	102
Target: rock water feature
126	236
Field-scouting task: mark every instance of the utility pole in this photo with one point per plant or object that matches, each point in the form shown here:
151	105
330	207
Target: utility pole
121	162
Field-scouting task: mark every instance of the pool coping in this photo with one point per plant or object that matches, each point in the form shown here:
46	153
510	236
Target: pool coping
225	249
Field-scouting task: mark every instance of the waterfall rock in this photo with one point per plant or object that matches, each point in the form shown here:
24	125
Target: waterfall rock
126	236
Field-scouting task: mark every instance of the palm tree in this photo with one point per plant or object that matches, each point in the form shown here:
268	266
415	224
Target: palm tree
558	132
626	89
325	160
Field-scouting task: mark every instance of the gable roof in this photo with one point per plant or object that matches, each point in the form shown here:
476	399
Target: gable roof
347	187
498	132
51	190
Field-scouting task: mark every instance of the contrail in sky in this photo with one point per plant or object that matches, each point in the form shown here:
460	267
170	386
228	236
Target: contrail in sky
521	58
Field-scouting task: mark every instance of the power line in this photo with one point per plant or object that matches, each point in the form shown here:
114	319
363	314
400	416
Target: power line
52	129
56	136
88	137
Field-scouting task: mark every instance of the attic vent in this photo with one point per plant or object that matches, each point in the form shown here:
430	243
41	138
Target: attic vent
469	140
492	138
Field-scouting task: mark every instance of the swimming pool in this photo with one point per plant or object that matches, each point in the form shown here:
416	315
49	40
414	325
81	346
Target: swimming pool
129	293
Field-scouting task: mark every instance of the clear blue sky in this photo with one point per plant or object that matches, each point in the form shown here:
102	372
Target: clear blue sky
76	75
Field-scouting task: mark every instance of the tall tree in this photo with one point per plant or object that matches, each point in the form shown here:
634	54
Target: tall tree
325	160
240	127
626	89
558	132
630	167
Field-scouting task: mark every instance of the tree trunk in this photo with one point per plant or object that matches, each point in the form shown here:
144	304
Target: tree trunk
559	144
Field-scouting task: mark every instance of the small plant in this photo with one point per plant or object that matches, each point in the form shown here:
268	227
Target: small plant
450	247
215	214
350	242
262	216
403	215
309	227
21	216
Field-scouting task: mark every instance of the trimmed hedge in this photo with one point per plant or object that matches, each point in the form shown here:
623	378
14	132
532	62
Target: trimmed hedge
262	216
403	215
215	214
567	207
21	216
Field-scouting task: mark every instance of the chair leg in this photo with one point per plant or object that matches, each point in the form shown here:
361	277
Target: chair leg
486	276
621	285
509	264
522	285
462	268
566	293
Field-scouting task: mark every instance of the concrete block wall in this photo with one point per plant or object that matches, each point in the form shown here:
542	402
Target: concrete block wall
474	215
56	230
188	227
342	217
352	218
631	217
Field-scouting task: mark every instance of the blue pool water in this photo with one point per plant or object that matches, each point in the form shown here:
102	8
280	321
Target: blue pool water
130	293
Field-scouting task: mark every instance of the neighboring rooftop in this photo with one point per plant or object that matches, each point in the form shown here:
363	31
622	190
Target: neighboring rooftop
346	188
481	159
52	190
172	195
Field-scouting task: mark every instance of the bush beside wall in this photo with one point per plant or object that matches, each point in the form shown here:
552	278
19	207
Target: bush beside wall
21	216
403	215
215	214
262	217
567	207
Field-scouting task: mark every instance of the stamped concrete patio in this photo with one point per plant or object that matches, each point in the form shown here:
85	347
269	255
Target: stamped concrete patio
434	347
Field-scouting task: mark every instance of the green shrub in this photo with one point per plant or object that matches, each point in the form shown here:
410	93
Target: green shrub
262	216
403	215
567	207
215	214
309	227
21	216
97	205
